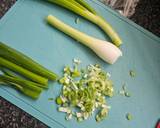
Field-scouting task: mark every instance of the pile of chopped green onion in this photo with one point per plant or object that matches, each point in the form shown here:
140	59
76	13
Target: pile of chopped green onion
84	91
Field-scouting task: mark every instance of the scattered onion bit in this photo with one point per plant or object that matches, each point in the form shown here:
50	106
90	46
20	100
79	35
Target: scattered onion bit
124	91
132	73
129	116
77	20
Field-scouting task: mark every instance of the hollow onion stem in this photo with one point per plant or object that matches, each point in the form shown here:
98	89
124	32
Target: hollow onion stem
105	50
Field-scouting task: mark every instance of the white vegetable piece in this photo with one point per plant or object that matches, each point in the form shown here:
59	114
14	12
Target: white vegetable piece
64	109
105	50
78	114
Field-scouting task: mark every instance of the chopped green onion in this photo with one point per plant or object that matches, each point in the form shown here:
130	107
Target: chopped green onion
124	91
77	20
50	99
76	73
85	93
11	74
80	119
87	6
30	75
77	61
59	101
26	87
127	94
69	116
132	73
129	116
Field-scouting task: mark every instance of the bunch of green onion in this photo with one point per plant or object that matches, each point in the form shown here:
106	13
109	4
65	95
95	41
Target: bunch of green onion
84	91
23	73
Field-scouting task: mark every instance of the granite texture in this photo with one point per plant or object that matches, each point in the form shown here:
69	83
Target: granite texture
13	117
147	14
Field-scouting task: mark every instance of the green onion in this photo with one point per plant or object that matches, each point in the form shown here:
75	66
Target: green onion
50	99
132	73
24	61
59	101
34	77
11	74
83	9
124	91
7	72
129	116
102	114
81	96
26	87
87	6
77	20
127	94
105	50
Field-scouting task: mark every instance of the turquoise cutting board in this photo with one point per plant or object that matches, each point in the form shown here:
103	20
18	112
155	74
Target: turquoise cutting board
25	29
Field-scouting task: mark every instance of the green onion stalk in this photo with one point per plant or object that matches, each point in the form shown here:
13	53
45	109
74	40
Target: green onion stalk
105	50
83	9
26	73
24	61
26	87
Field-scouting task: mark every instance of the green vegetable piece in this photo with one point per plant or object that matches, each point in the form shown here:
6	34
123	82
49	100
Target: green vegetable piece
98	119
26	87
102	114
11	74
80	119
105	50
127	94
129	116
67	70
86	94
76	73
132	73
50	99
83	9
88	106
24	61
61	81
59	101
124	87
30	75
87	6
77	20
64	81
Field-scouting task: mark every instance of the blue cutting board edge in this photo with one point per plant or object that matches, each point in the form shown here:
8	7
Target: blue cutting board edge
30	109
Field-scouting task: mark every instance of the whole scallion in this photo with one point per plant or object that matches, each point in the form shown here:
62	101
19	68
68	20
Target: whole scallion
80	7
105	50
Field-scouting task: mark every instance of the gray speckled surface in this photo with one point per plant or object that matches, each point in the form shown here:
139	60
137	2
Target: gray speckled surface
13	117
146	14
